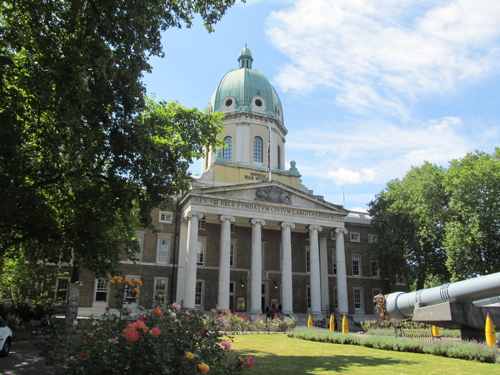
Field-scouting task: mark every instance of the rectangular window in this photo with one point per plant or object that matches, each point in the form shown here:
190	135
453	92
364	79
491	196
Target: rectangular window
355	237
334	260
101	290
358	298
308	297
163	244
198	298
372	238
202	224
62	286
374	268
200	256
130	296
165	217
137	254
356	265
161	289
233	228
231	256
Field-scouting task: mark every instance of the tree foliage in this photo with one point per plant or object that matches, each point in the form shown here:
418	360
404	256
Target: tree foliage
409	216
473	229
440	224
84	156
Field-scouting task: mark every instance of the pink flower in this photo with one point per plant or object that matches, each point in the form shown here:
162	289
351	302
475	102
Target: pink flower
155	332
226	345
249	362
158	312
176	307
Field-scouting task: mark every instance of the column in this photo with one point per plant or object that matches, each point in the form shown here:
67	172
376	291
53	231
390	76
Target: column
315	284
181	268
256	272
286	270
192	250
341	271
224	264
323	256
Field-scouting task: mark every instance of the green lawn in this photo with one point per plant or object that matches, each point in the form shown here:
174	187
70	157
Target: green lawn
278	354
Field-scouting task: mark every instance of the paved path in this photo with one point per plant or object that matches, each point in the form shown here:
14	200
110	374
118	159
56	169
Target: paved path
24	359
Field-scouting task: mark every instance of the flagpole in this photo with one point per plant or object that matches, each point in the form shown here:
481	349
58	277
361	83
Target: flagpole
269	153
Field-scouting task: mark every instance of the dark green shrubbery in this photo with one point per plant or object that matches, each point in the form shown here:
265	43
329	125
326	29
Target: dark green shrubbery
472	351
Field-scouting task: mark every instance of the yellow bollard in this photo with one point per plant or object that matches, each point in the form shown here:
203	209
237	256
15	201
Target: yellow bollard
435	331
490	333
310	321
332	323
345	325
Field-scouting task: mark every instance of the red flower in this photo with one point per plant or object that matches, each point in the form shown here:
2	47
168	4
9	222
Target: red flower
108	308
85	342
63	344
83	354
205	333
92	337
101	335
249	362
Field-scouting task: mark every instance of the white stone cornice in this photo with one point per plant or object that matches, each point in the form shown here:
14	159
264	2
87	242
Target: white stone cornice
226	217
287	225
315	227
341	230
258	221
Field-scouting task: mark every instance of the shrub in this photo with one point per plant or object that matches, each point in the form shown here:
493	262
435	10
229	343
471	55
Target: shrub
464	350
160	341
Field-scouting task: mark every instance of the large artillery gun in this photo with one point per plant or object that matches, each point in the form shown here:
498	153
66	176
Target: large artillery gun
461	305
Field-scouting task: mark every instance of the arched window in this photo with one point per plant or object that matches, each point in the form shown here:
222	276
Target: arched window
257	149
227	152
279	157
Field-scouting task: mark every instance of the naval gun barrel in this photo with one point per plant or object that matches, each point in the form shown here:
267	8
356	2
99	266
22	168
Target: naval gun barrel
400	305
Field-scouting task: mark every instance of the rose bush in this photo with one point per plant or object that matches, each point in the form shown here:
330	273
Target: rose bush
161	341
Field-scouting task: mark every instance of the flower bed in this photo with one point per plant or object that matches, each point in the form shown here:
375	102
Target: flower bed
163	340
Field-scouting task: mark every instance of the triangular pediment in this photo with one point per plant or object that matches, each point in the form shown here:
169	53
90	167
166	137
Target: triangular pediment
268	193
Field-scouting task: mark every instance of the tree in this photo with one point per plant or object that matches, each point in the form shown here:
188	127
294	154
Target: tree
84	157
409	217
473	229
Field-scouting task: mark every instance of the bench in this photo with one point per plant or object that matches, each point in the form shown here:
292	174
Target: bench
418	334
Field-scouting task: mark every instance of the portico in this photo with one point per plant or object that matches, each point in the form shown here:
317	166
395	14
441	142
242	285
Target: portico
263	206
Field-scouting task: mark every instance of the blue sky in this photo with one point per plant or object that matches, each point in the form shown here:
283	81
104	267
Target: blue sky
369	88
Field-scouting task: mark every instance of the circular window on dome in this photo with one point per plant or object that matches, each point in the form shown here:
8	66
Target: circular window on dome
229	102
258	102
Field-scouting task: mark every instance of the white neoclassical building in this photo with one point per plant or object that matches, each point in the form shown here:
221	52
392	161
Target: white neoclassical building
249	234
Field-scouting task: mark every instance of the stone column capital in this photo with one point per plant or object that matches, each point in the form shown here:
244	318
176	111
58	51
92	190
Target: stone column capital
287	225
258	221
341	230
315	227
227	217
191	214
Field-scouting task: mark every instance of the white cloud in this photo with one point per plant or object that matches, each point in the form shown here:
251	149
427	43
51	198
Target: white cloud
377	152
372	52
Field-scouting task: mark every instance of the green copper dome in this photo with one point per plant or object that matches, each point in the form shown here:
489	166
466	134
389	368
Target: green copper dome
246	90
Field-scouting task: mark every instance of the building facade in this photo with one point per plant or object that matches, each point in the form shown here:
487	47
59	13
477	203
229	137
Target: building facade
249	234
